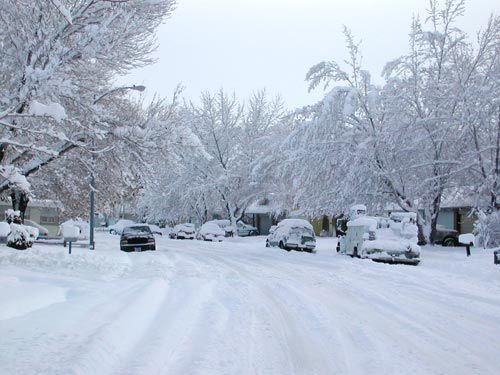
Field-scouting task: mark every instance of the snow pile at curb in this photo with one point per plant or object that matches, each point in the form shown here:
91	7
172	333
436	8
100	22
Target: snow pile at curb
87	265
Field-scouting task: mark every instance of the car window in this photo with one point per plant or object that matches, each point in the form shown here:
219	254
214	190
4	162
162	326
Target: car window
137	230
299	231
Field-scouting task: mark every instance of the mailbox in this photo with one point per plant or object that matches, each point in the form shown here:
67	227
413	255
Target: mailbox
70	234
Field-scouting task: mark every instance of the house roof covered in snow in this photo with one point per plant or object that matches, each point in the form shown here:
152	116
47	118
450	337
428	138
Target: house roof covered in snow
38	203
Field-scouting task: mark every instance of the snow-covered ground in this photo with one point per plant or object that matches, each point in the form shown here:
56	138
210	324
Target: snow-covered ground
239	308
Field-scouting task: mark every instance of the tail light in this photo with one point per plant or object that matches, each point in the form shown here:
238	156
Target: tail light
151	240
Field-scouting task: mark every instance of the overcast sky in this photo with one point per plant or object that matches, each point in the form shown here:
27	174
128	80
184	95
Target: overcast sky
246	45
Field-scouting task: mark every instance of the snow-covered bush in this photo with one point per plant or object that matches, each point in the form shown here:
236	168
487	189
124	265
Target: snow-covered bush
487	229
12	216
19	237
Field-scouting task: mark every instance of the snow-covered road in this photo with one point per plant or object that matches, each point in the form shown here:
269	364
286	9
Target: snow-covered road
239	308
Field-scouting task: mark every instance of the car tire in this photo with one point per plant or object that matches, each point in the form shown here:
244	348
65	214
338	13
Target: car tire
268	244
449	242
282	246
112	231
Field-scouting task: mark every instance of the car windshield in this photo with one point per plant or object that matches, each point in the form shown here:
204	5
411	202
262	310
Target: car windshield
143	229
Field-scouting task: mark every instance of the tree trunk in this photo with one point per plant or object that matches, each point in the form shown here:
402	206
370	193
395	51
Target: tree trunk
20	202
434	213
422	239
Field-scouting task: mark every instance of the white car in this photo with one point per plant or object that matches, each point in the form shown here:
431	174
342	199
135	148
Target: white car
118	227
226	226
242	228
246	229
155	229
366	239
42	231
185	231
293	234
210	231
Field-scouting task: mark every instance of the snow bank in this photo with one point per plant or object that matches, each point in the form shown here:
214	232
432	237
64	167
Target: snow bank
81	263
25	297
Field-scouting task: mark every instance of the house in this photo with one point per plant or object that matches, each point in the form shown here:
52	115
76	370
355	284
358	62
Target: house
260	214
324	225
42	211
456	211
457	214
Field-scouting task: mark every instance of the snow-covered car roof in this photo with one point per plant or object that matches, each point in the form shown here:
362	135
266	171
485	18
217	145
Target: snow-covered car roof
365	221
358	207
184	225
222	222
211	227
122	223
401	215
291	223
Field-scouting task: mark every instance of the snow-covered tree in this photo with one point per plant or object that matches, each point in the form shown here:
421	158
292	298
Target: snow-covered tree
58	59
211	171
430	129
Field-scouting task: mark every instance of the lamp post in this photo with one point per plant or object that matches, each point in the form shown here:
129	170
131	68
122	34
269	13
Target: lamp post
92	176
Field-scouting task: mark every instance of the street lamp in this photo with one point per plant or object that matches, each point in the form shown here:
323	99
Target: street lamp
139	88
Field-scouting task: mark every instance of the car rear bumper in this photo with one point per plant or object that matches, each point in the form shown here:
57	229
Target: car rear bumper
210	237
301	247
401	258
134	247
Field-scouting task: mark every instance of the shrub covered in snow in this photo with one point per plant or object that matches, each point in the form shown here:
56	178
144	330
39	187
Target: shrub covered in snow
12	216
487	229
19	237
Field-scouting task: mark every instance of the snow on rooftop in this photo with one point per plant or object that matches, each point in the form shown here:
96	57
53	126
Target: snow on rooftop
39	203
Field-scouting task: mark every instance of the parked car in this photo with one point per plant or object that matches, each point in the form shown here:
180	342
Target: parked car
185	231
226	226
446	236
246	229
242	228
210	231
118	227
137	237
296	234
167	230
155	229
42	231
366	238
